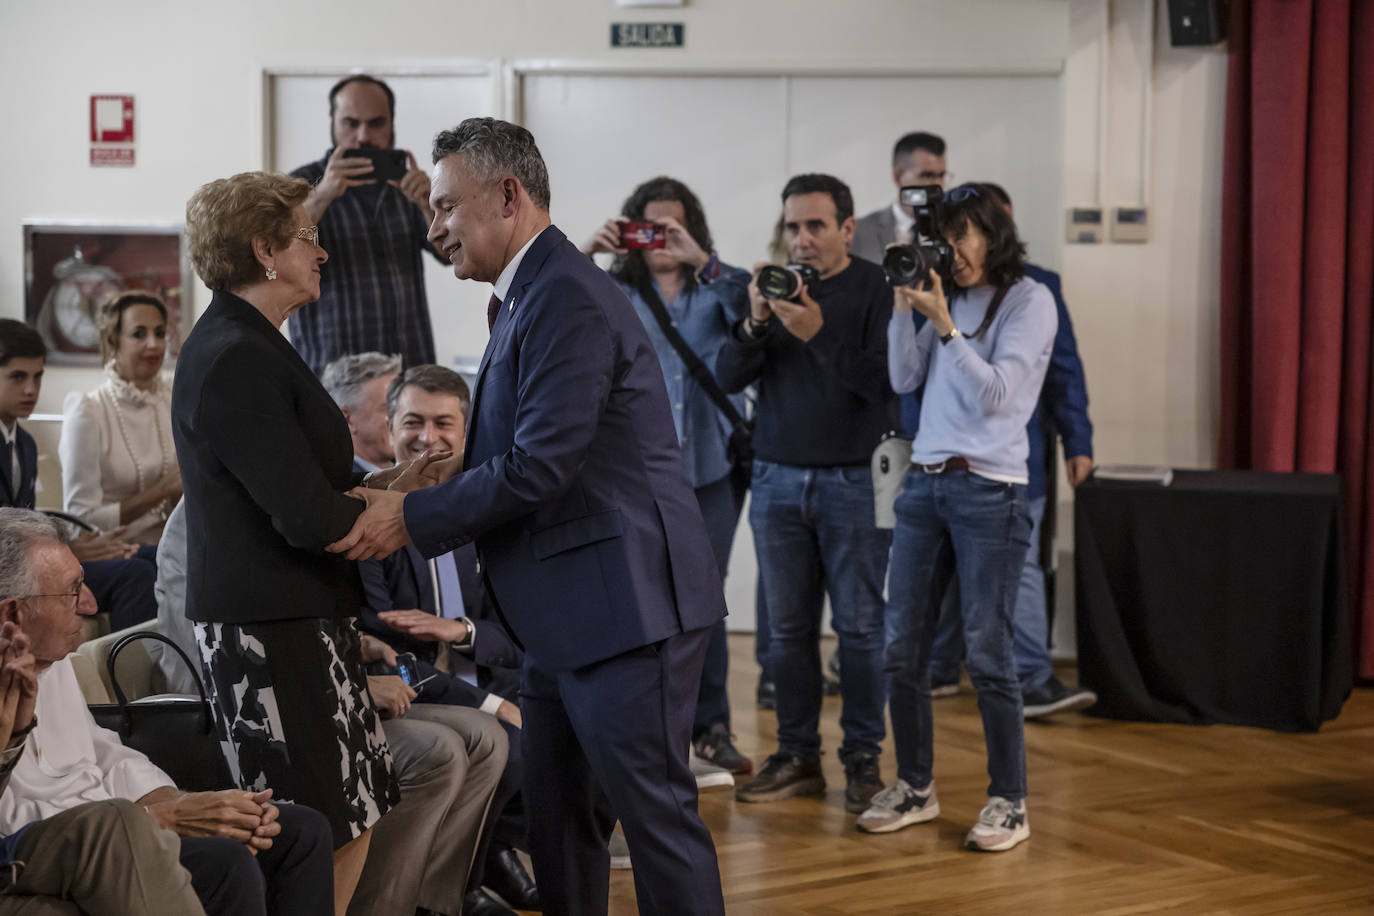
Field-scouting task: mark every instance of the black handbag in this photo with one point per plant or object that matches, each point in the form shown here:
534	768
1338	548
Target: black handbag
177	734
740	448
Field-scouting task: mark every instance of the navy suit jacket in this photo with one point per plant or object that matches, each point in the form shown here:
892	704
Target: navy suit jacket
20	494
403	581
573	485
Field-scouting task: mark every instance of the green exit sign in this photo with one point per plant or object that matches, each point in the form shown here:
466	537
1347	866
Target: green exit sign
646	34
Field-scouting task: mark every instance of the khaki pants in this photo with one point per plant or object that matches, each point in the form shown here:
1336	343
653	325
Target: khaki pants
448	760
105	858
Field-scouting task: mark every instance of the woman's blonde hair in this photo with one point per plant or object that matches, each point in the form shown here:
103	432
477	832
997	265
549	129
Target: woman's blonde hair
224	216
112	314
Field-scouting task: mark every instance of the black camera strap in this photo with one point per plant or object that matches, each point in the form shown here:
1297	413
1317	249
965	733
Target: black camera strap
991	312
694	365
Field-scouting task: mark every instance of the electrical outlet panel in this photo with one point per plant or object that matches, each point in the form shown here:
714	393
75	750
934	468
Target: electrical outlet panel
1130	224
1085	225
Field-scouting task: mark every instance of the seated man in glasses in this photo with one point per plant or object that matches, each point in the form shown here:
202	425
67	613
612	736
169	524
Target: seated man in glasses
245	854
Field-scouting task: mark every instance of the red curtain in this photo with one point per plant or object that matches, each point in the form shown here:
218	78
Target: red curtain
1297	287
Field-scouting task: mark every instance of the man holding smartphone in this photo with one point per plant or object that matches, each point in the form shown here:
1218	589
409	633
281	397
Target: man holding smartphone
371	202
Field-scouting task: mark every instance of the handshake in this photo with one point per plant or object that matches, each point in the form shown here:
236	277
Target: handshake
381	529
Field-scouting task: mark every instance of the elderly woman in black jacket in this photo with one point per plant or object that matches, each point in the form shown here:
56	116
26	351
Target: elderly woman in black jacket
266	464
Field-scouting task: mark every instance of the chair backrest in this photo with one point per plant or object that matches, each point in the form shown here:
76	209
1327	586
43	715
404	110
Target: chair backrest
46	429
138	674
88	676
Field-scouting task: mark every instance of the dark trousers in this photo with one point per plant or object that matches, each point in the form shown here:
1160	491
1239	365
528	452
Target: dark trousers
720	510
295	876
619	727
124	588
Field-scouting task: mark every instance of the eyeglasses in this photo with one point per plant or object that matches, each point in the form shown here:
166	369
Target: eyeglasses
963	192
74	597
309	234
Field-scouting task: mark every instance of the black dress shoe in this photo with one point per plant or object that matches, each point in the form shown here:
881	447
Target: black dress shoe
480	903
505	874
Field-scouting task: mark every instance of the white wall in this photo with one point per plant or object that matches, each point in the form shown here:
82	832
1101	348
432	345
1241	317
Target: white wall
1146	315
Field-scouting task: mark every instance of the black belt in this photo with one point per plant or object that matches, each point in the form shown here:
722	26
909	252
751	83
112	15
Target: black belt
944	467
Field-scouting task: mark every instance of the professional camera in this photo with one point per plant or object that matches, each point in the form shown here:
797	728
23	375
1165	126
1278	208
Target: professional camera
906	264
786	282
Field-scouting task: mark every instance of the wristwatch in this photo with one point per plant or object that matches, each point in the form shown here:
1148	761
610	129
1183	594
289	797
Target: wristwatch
946	338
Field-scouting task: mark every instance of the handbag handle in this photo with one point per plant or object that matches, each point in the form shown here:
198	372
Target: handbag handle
127	722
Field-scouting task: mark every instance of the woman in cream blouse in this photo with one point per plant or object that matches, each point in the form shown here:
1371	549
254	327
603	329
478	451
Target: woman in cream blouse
119	465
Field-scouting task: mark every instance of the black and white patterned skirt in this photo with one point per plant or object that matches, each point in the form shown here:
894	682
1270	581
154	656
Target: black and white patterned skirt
292	698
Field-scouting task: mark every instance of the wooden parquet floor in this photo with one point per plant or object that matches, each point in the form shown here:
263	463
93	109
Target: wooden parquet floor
1125	818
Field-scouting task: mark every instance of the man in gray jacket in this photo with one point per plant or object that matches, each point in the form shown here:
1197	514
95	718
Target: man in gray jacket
918	158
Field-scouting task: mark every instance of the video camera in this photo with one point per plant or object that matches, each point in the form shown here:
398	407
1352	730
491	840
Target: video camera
906	264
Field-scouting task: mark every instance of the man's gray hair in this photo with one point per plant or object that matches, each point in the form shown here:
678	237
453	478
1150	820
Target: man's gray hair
20	531
495	149
345	377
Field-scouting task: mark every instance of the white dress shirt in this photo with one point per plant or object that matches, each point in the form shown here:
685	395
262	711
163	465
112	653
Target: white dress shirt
70	760
903	224
507	277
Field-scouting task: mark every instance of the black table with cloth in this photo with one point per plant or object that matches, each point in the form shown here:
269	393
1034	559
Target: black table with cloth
1217	599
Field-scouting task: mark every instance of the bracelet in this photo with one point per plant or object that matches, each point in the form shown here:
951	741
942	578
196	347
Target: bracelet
23	732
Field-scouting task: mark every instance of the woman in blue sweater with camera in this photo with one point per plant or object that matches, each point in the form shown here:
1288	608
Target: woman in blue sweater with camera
982	356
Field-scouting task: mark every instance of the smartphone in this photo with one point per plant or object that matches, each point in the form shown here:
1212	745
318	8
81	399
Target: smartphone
387	164
407	668
642	235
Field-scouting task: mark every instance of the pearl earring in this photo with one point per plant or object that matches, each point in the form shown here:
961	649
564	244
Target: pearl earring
271	273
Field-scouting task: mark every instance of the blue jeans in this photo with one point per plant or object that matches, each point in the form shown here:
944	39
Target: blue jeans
813	533
980	527
1030	622
720	511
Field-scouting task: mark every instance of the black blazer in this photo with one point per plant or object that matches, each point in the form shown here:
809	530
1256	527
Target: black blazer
265	459
20	494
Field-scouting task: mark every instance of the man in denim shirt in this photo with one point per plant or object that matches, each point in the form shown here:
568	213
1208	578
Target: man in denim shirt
820	362
703	299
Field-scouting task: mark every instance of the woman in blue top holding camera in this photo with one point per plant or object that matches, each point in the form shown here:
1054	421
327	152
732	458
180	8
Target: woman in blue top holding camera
982	356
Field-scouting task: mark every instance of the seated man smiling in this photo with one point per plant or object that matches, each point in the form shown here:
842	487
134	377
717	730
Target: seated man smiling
438	611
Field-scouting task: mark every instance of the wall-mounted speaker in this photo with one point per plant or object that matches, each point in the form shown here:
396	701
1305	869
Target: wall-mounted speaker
1196	22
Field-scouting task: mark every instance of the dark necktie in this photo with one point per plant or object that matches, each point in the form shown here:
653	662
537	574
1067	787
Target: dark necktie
7	462
493	307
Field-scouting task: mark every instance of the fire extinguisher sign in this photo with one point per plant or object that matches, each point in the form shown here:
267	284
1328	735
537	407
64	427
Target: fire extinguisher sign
112	130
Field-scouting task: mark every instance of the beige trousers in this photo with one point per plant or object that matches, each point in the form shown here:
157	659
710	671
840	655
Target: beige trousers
106	858
448	760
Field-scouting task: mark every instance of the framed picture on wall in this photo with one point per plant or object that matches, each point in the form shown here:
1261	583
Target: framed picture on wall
70	268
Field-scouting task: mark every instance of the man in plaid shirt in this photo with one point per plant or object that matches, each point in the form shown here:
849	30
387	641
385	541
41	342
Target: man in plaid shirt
372	293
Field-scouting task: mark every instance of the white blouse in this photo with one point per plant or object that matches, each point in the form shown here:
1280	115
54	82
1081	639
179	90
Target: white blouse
69	760
116	442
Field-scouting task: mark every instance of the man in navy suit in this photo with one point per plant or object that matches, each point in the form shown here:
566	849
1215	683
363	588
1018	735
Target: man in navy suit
588	534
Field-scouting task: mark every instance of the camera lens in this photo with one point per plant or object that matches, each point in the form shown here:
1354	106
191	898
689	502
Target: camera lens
778	282
900	263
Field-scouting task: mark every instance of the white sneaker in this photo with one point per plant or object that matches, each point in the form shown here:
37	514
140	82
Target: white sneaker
898	806
710	778
1001	825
